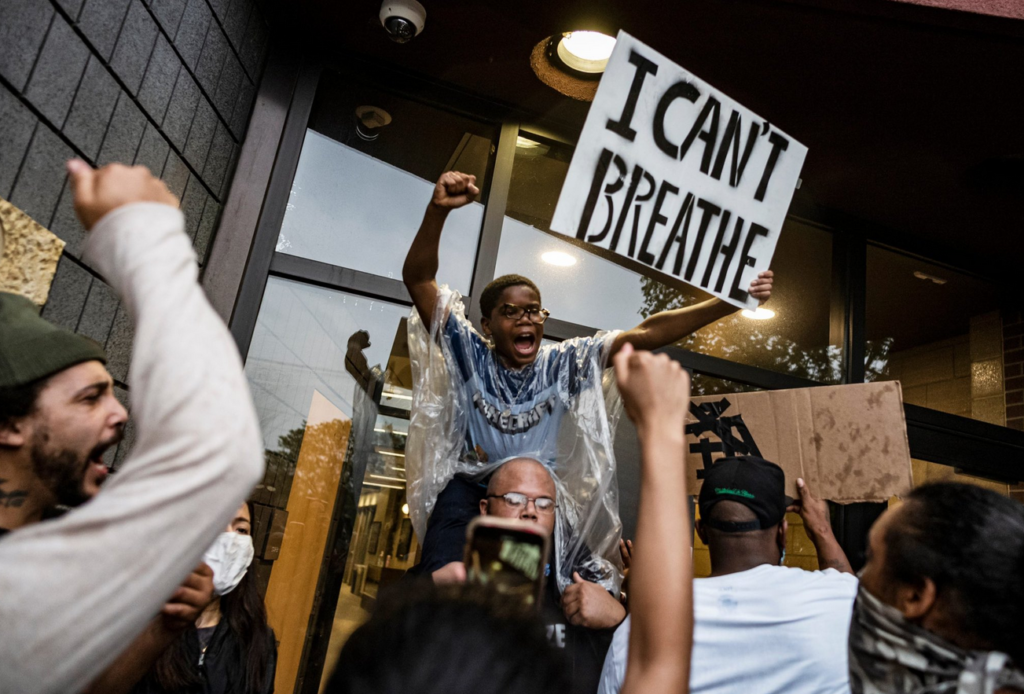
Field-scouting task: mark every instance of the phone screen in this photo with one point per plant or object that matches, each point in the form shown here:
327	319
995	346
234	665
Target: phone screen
509	559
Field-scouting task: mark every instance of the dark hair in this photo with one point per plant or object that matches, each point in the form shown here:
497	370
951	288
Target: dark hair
492	292
454	639
19	401
246	615
970	542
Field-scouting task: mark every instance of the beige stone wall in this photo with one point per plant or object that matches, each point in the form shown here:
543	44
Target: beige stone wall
961	375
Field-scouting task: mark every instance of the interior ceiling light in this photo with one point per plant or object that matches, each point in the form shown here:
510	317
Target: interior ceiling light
585	51
558	258
931	278
572	63
405	509
760	313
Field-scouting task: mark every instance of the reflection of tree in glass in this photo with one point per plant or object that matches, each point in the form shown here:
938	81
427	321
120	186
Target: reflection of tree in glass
748	343
281	464
322	446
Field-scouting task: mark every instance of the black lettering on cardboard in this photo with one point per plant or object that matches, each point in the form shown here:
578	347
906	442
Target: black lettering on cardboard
657	219
644	67
642	198
737	294
729	250
634	181
713	255
679	90
779	144
682	220
731	142
710	210
712	109
609	190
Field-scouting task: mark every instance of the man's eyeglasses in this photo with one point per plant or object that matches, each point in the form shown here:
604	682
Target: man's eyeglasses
544	504
533	313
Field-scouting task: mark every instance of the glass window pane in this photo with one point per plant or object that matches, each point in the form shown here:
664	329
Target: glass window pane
359	192
940	333
583	287
329	373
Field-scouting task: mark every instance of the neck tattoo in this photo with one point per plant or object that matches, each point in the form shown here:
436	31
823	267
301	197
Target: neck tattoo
12	499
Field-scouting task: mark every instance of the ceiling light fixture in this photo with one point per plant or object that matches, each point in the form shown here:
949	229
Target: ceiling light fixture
761	313
405	509
586	51
558	258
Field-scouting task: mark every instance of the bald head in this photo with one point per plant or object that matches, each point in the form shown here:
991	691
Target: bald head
524	476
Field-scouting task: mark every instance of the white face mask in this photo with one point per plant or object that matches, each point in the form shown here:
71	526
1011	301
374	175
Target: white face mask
229	556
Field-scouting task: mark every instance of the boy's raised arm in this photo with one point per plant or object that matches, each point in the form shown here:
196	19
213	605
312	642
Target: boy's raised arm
453	190
668	327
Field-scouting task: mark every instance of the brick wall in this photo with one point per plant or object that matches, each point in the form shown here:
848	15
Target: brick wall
1013	367
164	83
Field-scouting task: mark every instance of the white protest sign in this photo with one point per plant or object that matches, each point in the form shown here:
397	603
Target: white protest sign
674	174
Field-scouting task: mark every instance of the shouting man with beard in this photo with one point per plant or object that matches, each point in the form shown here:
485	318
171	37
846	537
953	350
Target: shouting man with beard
76	590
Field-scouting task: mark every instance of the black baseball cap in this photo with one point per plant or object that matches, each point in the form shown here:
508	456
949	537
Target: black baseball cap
754	482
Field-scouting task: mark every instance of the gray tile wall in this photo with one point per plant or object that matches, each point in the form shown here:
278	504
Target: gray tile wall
168	84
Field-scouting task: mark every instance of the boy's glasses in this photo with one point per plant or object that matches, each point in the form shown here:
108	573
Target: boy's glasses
533	313
543	504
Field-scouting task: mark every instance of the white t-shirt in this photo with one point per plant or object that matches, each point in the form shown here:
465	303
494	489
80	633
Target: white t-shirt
769	629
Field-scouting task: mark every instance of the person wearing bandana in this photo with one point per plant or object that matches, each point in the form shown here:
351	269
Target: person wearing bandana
940	607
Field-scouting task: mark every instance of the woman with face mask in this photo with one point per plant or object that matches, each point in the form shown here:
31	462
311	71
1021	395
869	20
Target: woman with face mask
231	649
940	607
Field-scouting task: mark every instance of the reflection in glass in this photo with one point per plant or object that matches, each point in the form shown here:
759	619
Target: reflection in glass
939	332
580	286
330	379
349	209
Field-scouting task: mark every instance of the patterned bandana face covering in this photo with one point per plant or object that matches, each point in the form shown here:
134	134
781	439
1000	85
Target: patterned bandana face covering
889	655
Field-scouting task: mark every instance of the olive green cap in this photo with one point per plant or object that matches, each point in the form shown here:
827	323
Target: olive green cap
32	348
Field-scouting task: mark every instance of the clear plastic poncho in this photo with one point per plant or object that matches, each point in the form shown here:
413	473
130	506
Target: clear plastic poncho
581	458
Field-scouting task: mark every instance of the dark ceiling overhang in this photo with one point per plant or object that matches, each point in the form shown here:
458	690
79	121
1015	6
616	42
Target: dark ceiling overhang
913	115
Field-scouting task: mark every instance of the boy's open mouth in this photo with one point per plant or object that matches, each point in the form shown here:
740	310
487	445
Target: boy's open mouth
525	343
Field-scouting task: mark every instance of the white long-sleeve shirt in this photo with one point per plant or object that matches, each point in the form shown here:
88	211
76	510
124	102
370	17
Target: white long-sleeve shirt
74	592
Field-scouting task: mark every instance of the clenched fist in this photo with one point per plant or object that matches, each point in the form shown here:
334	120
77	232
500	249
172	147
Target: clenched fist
454	190
189	600
99	191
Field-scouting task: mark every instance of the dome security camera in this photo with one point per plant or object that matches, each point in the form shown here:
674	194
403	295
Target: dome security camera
402	19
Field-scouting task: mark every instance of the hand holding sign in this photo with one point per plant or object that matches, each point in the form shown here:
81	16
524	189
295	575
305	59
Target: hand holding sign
454	190
675	175
761	287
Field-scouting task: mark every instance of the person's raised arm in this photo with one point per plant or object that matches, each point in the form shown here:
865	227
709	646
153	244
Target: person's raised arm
453	190
668	327
75	589
814	512
656	394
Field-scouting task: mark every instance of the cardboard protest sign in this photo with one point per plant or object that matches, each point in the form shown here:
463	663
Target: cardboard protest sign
849	443
674	174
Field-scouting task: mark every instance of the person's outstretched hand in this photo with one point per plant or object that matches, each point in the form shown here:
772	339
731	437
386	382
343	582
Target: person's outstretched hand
99	191
454	190
655	390
761	287
189	600
813	511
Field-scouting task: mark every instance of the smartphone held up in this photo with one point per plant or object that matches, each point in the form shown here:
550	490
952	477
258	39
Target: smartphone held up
508	555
